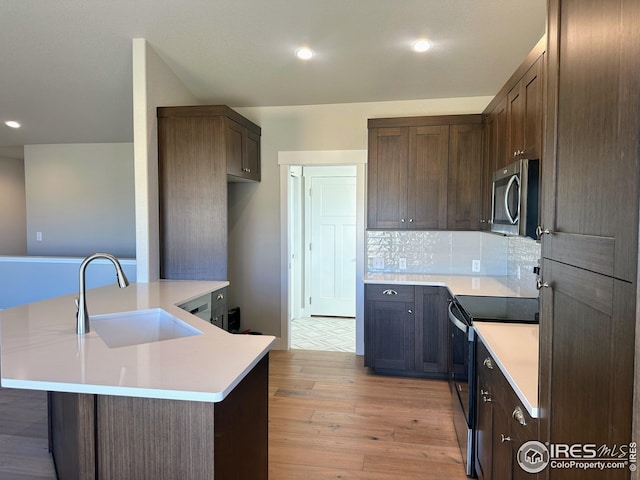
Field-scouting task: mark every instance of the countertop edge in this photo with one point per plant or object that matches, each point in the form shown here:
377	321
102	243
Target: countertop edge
533	411
162	394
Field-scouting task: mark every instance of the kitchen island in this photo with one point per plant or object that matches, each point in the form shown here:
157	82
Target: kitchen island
190	407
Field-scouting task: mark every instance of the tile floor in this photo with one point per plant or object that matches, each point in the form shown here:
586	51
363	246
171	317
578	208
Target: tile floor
333	334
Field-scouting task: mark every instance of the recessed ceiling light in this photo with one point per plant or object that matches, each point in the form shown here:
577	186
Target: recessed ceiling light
305	53
12	124
421	45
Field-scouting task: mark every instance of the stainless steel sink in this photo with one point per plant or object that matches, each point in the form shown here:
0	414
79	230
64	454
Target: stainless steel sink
137	327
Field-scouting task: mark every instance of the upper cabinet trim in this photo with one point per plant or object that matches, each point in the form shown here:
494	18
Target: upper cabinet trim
424	121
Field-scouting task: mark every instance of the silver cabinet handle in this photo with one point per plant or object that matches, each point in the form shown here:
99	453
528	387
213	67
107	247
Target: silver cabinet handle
389	292
504	438
542	231
488	363
518	415
411	220
247	170
486	399
402	220
540	284
220	297
410	312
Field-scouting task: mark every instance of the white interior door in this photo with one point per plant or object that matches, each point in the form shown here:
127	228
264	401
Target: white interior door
332	248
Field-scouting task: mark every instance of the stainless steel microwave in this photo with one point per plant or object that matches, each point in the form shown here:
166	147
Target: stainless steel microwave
514	203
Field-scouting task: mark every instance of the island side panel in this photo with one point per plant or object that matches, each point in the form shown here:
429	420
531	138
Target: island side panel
242	428
106	437
72	434
154	438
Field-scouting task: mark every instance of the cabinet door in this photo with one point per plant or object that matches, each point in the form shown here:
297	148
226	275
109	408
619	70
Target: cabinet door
465	177
587	325
500	151
427	177
502	455
251	156
193	198
515	123
495	156
590	170
387	178
392	329
531	88
484	414
234	147
431	330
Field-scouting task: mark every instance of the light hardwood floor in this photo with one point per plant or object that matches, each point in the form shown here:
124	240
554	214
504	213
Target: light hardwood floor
332	419
328	419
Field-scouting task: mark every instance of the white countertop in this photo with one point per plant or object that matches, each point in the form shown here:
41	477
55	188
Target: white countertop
495	286
514	347
41	351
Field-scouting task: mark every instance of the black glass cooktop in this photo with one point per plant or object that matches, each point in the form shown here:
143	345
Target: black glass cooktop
499	309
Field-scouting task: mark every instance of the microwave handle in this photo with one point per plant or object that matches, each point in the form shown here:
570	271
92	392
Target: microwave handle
513	219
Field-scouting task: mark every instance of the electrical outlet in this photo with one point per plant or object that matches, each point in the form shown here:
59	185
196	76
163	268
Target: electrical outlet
378	263
475	265
38	236
402	263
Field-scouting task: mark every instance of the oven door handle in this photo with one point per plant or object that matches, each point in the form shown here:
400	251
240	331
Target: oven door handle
460	325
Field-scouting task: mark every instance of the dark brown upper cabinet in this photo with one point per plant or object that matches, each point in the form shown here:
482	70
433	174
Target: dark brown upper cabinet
524	115
465	177
243	151
417	170
513	123
200	148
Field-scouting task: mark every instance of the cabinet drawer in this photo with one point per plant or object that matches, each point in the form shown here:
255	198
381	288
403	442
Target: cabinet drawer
390	293
522	426
219	298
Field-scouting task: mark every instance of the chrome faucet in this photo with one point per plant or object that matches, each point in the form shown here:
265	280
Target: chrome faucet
82	317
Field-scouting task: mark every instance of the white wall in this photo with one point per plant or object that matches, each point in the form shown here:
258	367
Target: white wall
254	210
154	85
80	197
13	207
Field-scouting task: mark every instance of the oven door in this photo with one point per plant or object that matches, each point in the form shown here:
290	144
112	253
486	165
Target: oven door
460	377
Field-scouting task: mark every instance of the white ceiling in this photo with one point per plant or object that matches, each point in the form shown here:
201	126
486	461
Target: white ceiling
66	64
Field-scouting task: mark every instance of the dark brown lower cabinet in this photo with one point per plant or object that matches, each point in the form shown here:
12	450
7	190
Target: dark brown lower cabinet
502	422
109	437
587	335
431	340
406	330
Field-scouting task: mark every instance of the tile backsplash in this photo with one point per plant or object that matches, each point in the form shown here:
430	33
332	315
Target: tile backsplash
451	253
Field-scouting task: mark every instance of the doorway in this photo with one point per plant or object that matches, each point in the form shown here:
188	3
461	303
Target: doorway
323	226
292	235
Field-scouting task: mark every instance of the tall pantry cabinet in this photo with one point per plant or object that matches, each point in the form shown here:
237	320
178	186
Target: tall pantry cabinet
590	228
